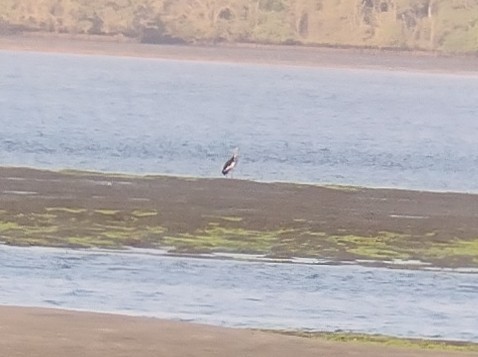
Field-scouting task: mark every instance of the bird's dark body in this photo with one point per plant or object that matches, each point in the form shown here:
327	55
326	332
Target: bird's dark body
229	165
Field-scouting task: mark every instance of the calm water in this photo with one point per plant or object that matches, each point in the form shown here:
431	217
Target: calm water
244	294
373	128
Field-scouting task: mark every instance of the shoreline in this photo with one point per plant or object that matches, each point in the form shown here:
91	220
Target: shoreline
30	331
246	258
299	56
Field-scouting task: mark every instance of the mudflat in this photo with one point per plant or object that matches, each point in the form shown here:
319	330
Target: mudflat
49	332
187	215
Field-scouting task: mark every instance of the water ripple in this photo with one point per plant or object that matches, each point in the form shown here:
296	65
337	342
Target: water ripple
427	304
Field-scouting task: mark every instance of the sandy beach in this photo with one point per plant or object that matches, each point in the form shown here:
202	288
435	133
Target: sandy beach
46	332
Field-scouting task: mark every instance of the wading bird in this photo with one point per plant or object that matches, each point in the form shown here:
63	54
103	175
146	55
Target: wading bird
231	163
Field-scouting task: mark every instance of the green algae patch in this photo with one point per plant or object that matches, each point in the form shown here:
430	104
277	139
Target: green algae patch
221	239
296	243
39	230
383	340
9	226
116	235
395	246
459	250
80	227
146	227
156	229
383	246
458	247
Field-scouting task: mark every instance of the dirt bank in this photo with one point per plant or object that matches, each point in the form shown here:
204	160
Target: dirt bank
258	54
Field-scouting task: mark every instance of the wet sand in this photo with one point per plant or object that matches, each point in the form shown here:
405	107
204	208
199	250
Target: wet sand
31	332
246	53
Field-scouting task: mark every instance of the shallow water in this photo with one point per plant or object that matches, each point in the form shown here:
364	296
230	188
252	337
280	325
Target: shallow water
244	294
361	127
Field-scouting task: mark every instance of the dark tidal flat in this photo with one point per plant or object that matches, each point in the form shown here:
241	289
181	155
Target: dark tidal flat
280	220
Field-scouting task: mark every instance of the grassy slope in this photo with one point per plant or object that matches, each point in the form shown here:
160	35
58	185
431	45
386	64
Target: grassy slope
441	25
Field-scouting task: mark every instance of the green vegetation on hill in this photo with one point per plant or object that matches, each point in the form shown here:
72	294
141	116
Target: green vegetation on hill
438	25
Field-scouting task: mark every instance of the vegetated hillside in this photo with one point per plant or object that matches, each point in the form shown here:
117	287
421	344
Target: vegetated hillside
441	25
